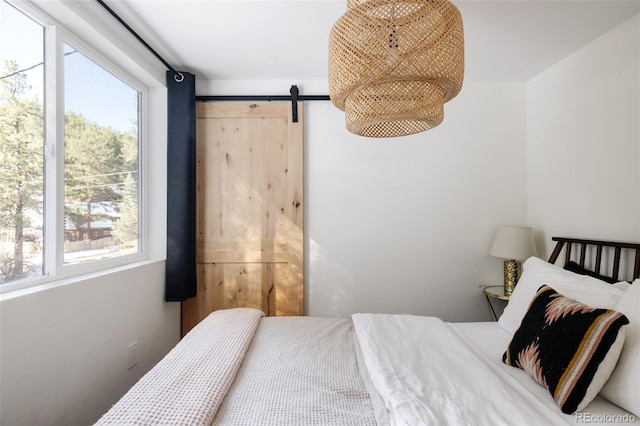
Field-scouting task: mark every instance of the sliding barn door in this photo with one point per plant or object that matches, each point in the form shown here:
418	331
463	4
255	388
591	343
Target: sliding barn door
249	209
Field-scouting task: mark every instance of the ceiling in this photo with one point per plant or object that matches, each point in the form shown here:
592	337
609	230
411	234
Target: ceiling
508	40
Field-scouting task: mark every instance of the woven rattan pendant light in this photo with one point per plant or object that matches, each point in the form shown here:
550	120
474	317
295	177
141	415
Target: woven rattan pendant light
394	63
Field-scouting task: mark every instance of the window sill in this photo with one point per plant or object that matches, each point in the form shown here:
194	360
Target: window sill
61	281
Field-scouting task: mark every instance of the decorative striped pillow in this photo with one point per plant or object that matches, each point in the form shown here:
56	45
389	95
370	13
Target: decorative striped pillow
568	347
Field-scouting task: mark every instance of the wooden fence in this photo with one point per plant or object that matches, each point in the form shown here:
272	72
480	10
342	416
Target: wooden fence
69	246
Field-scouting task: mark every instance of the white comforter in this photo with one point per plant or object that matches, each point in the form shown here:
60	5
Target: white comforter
427	375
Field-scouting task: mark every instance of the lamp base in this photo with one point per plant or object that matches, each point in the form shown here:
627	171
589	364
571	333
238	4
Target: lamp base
512	272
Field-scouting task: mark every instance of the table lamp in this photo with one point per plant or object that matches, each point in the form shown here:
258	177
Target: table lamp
514	244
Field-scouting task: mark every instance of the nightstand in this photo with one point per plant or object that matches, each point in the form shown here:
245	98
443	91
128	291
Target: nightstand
495	292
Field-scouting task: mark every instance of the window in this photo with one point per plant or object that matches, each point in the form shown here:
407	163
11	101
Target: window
69	164
100	161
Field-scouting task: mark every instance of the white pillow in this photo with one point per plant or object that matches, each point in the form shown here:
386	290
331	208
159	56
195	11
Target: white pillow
622	285
623	387
536	272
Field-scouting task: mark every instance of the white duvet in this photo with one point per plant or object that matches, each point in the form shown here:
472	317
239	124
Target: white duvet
428	375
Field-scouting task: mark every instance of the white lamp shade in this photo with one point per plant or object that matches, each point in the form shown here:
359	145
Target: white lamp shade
513	242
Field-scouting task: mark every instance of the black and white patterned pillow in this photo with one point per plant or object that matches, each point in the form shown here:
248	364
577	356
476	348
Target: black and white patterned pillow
567	347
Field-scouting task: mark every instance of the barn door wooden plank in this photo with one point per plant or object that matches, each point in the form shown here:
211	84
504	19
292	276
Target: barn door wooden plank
250	209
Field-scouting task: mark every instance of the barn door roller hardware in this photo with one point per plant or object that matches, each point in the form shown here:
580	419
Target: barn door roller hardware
294	103
294	97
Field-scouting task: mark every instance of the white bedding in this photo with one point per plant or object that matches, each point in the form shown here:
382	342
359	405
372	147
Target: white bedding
490	340
427	374
309	371
299	371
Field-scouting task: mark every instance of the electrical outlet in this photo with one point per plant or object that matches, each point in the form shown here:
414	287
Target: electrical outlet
133	354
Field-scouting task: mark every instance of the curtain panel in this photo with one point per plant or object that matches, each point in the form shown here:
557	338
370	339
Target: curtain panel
180	283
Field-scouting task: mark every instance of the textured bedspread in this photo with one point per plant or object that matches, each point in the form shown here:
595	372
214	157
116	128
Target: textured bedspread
299	371
189	384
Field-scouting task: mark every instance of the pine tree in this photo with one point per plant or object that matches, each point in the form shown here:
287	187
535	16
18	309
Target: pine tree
21	160
126	228
97	162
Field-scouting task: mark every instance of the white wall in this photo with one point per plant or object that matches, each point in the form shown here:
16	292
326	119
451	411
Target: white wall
64	350
583	149
405	224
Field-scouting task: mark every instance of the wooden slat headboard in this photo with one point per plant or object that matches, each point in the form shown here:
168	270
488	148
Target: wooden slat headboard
617	247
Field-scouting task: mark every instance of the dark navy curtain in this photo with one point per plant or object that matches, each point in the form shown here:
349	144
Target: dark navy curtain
181	187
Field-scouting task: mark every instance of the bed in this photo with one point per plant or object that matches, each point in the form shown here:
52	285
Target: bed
238	367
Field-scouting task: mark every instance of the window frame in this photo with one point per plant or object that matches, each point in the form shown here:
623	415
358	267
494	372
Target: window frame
54	269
